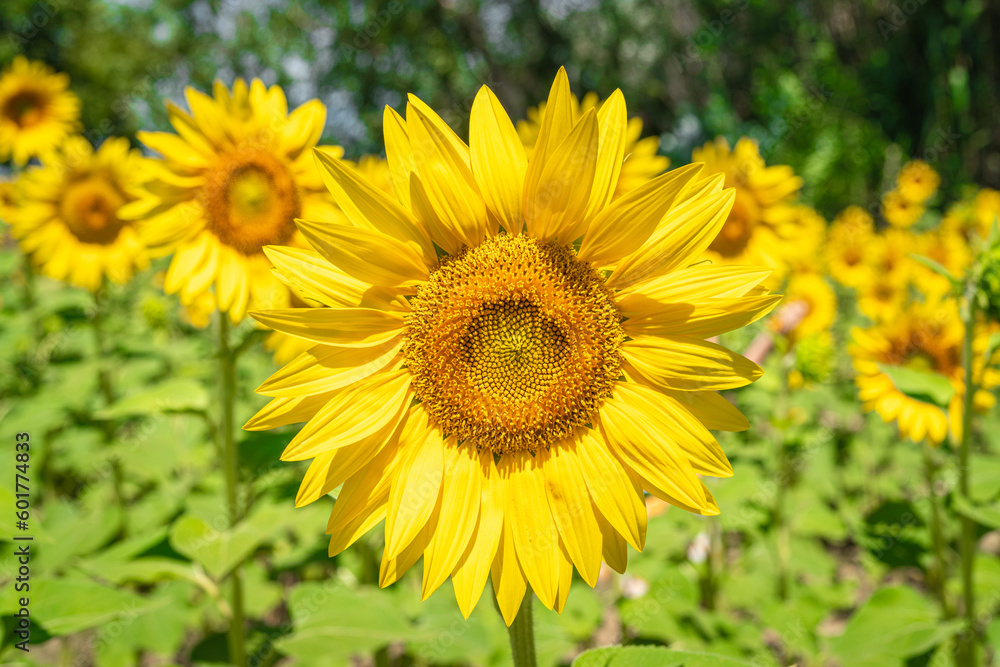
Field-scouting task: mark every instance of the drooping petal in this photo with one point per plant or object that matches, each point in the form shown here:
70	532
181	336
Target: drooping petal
416	491
461	494
611	489
569	502
470	574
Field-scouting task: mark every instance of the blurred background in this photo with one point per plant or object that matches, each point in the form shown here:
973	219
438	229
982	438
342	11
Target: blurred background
130	557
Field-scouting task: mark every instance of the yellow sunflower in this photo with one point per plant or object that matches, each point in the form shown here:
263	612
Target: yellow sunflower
502	407
818	301
900	211
848	250
69	215
926	337
10	198
882	298
642	161
750	234
890	255
37	111
917	181
946	248
232	180
373	169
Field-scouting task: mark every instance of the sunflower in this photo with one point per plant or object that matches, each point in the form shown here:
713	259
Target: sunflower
848	250
900	211
37	112
819	301
491	404
642	161
890	255
69	216
10	197
763	193
946	248
926	337
232	180
917	181
373	169
882	298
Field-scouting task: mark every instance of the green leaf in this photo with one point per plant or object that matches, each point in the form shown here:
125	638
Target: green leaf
987	515
925	386
896	623
65	606
334	622
174	395
653	656
219	551
933	265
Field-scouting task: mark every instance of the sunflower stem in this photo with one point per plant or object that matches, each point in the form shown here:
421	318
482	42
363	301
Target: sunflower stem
522	634
105	383
966	655
782	534
937	574
227	448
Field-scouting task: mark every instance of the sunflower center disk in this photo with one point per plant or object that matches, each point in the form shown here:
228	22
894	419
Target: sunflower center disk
513	344
25	108
738	230
90	209
251	200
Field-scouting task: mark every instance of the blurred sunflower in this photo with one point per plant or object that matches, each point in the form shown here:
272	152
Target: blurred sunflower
491	405
375	171
762	193
37	111
802	234
232	180
882	298
10	197
890	255
900	211
926	338
848	250
949	250
917	181
69	216
820	303
642	161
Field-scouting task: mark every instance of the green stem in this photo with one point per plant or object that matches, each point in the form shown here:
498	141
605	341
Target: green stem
783	536
227	448
522	634
106	384
937	575
966	656
713	564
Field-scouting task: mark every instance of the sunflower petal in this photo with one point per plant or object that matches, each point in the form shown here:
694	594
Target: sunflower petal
368	255
312	276
690	364
566	488
624	226
470	574
345	327
461	495
416	490
498	160
611	489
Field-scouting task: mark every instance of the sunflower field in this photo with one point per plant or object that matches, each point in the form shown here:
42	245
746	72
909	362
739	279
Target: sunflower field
523	332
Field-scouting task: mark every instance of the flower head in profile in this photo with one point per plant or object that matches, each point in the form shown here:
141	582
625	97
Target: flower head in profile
37	110
523	355
924	341
642	158
232	180
763	195
69	214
